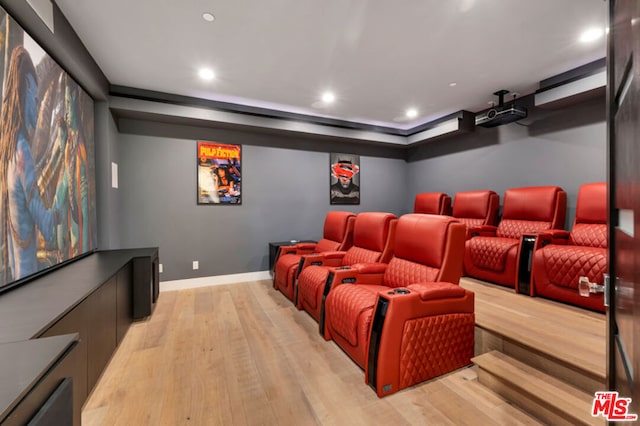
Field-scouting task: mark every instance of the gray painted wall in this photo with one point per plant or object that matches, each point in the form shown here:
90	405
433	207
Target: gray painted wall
108	201
285	196
285	190
560	147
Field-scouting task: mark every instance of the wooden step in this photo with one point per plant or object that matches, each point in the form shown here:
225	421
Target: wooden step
579	376
534	330
544	396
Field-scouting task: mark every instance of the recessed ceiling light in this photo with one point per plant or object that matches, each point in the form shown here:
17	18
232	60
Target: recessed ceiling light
411	113
453	84
328	97
591	34
206	74
208	17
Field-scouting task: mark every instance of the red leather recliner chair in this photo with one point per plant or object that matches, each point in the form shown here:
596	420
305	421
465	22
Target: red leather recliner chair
407	321
373	236
565	257
476	208
492	252
432	203
337	235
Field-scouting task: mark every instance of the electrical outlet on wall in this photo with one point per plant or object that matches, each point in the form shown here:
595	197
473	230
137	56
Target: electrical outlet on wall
196	264
160	268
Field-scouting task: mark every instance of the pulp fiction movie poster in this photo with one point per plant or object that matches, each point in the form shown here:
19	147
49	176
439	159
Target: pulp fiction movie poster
219	177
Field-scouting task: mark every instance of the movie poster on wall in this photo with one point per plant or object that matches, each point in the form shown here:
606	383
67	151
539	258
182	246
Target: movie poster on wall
219	173
345	178
47	170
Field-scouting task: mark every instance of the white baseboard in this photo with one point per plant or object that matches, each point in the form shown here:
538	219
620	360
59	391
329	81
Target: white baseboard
215	280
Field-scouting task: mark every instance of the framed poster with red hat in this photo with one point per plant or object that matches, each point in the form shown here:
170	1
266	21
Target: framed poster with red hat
344	179
219	177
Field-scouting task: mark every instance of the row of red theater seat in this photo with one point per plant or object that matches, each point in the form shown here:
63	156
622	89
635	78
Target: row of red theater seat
558	258
430	330
389	297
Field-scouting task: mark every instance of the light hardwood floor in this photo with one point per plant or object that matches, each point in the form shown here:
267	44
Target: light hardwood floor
243	354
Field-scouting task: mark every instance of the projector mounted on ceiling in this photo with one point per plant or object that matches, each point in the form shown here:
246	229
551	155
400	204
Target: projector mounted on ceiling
501	113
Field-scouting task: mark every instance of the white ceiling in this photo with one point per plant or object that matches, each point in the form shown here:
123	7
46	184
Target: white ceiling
379	57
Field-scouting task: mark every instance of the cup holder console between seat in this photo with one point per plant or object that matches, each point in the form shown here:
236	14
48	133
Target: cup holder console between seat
399	290
527	245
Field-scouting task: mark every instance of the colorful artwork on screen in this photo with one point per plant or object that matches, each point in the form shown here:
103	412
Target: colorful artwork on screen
219	173
47	171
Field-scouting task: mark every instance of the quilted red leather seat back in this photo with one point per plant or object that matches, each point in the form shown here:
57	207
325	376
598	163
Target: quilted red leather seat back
337	233
590	225
589	234
427	248
432	203
532	209
370	238
476	207
401	273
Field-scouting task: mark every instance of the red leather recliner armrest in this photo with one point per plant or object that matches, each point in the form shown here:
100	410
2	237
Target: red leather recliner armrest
333	254
437	290
360	273
308	259
552	236
418	329
326	258
370	268
299	249
428	298
482	231
282	250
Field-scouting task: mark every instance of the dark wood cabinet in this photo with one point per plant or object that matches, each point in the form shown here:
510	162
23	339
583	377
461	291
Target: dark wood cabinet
95	298
75	322
57	410
124	303
31	387
101	333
